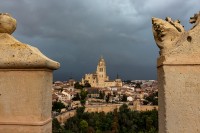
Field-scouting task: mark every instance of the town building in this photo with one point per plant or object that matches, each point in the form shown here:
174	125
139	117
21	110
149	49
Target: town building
100	78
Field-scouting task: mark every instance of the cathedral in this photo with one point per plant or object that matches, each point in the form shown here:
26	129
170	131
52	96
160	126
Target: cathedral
99	78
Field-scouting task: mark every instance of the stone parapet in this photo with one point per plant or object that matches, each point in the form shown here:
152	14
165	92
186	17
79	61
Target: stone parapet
178	75
25	84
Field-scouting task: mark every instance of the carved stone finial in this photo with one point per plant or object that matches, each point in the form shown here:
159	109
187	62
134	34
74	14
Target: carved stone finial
177	45
195	19
166	33
7	23
17	55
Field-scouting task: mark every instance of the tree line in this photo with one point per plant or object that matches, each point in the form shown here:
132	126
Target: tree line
123	120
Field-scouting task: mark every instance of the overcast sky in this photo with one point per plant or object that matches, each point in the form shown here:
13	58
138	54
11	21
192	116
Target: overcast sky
77	32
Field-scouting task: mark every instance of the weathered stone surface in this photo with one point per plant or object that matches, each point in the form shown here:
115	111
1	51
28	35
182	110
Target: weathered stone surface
26	128
29	95
179	97
7	23
178	76
15	54
25	86
166	33
25	98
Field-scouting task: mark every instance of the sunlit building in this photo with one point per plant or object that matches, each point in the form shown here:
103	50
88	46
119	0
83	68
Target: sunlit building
100	78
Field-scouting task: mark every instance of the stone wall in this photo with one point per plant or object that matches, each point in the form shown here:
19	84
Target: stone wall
178	75
102	108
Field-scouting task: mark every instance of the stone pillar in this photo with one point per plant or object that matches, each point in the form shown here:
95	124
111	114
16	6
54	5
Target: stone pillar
25	84
178	75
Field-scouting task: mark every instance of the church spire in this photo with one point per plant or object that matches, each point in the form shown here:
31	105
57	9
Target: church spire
101	60
117	76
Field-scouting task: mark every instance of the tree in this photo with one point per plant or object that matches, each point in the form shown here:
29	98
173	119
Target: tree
108	97
145	102
83	126
72	124
98	131
149	123
78	86
153	130
87	84
77	97
115	123
124	98
56	126
101	95
83	96
80	111
91	130
124	121
138	85
153	98
57	106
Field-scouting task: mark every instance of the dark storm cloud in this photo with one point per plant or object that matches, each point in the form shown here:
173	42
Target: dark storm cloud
77	32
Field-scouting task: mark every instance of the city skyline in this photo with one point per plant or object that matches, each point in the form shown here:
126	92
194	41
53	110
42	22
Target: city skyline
77	33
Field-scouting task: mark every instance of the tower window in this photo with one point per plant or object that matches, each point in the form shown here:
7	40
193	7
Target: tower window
101	69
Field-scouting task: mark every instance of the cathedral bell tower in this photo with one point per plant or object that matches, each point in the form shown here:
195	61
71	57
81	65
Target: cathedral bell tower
101	71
